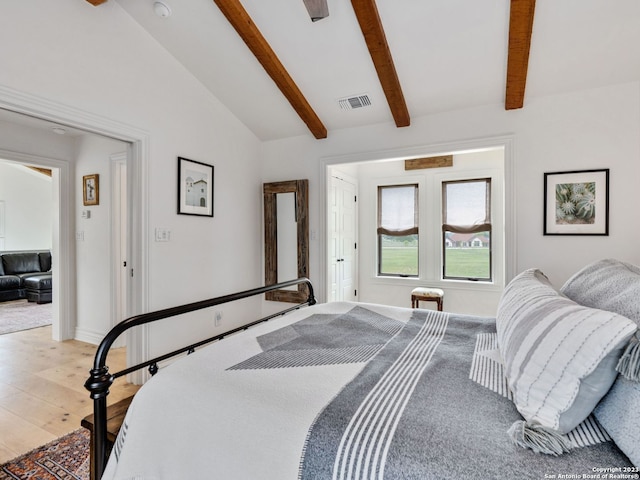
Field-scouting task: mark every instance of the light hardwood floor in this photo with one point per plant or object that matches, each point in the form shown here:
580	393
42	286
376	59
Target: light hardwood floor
42	394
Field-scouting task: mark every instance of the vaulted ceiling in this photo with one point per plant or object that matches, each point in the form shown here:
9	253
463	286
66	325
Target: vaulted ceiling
283	75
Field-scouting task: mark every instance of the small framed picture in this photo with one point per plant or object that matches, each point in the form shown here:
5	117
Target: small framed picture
576	203
195	188
91	189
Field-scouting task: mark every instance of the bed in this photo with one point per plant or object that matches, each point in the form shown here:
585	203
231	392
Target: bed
357	390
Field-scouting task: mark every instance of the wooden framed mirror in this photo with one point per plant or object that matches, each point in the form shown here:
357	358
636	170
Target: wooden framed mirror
286	237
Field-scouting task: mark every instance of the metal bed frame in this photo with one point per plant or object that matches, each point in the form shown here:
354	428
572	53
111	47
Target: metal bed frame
100	379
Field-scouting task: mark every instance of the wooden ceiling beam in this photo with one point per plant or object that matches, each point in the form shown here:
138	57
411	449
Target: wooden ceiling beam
44	171
520	30
248	31
376	40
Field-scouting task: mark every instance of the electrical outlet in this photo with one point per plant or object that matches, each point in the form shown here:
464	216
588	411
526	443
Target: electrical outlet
218	318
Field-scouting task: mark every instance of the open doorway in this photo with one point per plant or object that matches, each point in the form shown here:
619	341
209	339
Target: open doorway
26	221
78	228
43	229
84	281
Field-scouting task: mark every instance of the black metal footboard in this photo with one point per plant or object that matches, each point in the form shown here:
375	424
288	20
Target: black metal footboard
100	379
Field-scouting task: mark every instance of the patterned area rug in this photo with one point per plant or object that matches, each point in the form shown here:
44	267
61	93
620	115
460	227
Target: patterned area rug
65	458
17	315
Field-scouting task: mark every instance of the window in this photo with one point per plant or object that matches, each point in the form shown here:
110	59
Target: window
466	229
448	230
398	230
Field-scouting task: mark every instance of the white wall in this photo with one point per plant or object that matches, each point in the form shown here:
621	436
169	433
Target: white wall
99	60
590	129
94	236
27	203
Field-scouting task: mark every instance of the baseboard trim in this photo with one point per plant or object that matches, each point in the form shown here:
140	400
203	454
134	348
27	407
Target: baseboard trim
88	336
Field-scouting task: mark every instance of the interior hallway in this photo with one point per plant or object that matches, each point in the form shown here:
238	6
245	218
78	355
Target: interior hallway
42	394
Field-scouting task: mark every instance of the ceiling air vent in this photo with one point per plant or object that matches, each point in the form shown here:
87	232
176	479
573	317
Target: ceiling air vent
357	101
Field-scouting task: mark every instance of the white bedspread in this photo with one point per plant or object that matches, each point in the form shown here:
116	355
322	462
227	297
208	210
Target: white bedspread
349	391
196	416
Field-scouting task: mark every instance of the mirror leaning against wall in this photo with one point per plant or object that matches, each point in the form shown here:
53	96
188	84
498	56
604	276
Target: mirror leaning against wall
286	237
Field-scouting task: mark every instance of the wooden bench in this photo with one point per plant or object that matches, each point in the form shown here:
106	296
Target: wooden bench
115	417
425	294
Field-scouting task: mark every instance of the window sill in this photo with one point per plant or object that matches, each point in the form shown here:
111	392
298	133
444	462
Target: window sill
439	283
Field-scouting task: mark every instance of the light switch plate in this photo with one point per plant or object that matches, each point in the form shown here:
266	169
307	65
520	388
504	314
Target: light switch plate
163	235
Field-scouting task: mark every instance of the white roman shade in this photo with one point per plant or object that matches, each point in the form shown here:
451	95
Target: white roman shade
466	206
398	210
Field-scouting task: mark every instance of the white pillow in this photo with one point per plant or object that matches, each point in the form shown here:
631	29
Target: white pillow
559	357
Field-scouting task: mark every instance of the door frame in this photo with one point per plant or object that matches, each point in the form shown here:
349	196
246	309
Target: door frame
137	170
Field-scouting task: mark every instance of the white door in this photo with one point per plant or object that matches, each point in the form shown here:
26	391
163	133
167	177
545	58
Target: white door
119	241
342	240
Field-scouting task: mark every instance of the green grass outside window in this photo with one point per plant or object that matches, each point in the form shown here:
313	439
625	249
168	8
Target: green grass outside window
470	262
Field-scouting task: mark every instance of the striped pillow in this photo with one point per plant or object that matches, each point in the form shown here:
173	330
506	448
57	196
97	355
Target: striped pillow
559	357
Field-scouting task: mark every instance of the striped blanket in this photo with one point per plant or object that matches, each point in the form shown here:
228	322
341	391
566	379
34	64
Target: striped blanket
434	403
342	391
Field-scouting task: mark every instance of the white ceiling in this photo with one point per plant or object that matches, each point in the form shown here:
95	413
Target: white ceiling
449	54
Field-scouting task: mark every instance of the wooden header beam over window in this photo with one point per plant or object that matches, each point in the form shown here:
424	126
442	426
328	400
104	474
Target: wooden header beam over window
429	162
520	29
371	26
243	24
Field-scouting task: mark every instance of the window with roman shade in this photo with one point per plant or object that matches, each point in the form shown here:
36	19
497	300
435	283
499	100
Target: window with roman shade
398	230
466	229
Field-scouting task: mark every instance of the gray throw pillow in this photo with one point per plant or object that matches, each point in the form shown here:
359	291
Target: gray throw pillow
614	285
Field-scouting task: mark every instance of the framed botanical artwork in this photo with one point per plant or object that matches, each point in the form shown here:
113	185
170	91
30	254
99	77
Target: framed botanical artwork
576	203
91	189
195	188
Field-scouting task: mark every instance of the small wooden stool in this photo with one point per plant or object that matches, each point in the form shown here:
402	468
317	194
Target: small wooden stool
427	295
